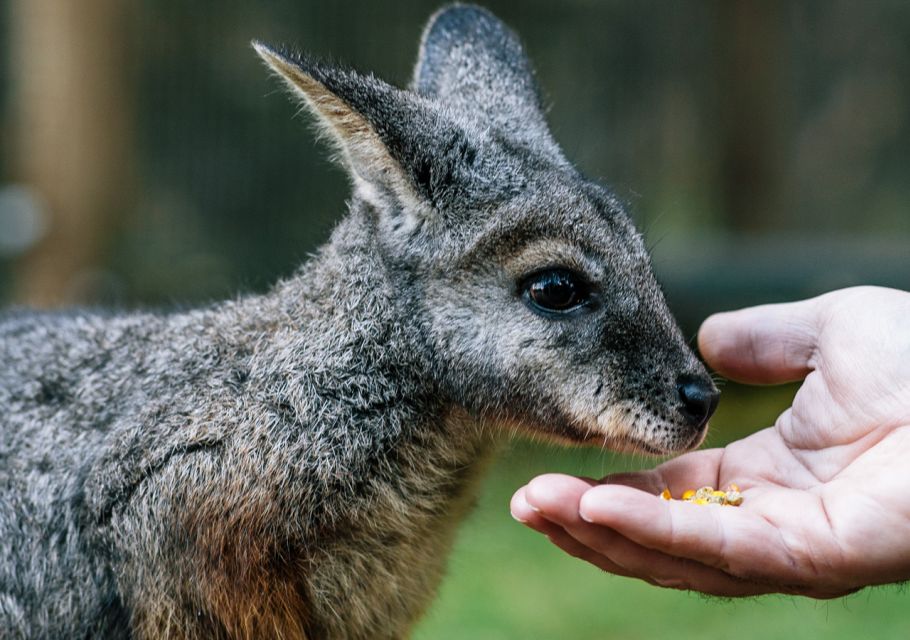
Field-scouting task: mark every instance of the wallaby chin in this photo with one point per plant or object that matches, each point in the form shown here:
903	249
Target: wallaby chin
295	464
613	430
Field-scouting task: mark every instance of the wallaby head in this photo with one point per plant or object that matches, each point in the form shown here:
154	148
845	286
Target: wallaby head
530	282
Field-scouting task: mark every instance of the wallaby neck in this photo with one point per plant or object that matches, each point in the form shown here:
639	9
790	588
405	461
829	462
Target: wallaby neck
361	438
352	372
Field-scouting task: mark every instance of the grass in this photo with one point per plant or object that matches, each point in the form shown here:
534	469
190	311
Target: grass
505	581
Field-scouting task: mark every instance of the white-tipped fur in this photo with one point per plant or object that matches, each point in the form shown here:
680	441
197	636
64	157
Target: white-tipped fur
363	153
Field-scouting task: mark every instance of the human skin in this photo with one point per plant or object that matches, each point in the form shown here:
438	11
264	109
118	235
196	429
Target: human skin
826	490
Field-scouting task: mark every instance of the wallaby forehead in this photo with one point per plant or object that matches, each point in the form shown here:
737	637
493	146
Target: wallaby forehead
560	212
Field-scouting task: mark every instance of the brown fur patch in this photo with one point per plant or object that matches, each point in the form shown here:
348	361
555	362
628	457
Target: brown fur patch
240	579
256	606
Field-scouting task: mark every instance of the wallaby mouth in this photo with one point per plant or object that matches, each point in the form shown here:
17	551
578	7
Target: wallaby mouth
630	444
617	430
649	427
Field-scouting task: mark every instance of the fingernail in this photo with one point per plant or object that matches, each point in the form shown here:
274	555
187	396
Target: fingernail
583	512
517	519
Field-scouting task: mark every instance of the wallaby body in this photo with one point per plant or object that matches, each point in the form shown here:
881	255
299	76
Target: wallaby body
294	464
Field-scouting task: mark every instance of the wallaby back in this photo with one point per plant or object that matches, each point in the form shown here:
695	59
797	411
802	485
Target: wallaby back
294	464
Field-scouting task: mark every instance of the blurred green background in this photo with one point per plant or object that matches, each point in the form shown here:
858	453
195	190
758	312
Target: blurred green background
147	158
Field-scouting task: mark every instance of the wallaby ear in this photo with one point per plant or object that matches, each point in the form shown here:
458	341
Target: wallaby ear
473	63
378	129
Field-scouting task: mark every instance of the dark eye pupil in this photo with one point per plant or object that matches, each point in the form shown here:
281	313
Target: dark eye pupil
556	290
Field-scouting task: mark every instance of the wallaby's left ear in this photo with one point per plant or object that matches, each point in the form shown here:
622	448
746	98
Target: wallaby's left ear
474	64
388	138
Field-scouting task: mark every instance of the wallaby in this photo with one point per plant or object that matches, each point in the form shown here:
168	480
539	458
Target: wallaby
294	464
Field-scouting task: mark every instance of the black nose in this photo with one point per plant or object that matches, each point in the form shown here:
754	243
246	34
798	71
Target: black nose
699	398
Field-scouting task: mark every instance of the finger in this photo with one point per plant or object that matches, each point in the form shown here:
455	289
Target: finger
733	540
525	514
528	515
555	515
659	568
620	556
766	344
557	498
531	515
569	544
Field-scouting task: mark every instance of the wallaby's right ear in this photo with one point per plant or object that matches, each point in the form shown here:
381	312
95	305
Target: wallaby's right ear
377	128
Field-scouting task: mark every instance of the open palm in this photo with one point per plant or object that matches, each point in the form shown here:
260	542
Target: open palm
827	488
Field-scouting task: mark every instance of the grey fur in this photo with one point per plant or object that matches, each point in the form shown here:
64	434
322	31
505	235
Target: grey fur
294	464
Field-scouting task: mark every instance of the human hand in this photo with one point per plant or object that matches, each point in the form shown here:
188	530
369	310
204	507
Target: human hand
827	488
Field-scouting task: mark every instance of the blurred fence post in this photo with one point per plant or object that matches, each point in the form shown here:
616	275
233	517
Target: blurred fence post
752	161
73	142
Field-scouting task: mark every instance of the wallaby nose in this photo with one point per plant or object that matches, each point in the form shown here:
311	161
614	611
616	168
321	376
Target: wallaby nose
699	398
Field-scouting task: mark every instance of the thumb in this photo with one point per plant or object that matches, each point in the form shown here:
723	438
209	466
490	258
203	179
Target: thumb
762	345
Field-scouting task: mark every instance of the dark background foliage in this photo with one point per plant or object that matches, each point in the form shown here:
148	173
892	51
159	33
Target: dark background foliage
762	146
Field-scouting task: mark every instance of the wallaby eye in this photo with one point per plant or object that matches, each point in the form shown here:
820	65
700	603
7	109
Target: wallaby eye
555	291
